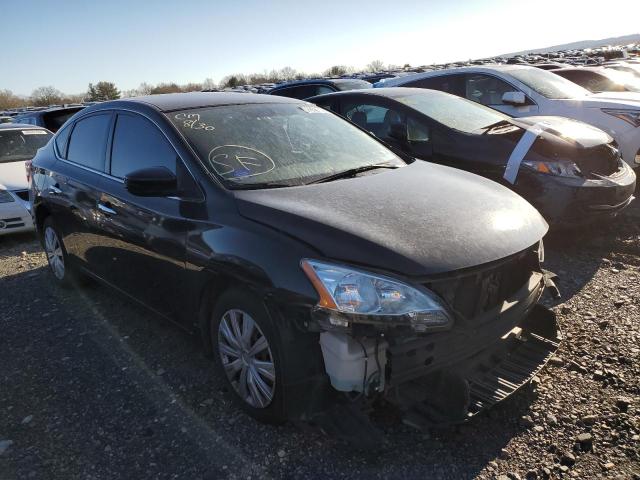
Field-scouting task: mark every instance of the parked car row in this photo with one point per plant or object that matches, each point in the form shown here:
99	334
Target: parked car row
368	244
522	91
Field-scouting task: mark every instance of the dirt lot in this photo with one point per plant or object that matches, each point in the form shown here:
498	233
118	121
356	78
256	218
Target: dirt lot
94	387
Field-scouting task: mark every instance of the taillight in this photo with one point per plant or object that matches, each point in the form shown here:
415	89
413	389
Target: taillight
27	167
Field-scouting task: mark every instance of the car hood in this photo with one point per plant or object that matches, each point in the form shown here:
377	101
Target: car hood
623	96
13	176
566	130
422	219
628	100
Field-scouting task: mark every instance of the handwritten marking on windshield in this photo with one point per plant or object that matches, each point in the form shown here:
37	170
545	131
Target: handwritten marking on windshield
192	121
237	161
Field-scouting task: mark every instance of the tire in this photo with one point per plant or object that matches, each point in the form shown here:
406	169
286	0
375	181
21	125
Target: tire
247	353
56	254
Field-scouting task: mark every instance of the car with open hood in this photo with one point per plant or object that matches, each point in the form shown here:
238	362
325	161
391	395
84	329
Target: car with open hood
18	145
570	171
524	91
320	269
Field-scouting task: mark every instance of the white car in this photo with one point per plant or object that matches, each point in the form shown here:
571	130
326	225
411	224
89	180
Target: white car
522	91
18	145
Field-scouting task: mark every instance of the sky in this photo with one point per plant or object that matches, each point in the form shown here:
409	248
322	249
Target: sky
70	43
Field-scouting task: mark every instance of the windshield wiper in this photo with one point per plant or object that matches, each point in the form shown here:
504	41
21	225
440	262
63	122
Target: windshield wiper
257	186
499	123
351	172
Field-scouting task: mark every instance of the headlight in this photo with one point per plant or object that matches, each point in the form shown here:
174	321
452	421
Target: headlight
559	168
372	298
630	116
6	197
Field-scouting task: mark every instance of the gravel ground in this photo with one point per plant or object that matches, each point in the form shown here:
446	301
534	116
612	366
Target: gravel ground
94	387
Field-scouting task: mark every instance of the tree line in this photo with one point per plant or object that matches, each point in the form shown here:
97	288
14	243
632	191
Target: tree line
104	90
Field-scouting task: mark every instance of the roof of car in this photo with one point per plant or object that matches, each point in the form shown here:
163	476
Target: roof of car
435	73
28	113
388	92
316	81
20	126
181	101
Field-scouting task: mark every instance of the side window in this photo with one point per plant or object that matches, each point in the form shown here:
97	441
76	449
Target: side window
328	104
62	139
137	144
486	89
88	141
417	131
291	92
384	122
453	84
322	89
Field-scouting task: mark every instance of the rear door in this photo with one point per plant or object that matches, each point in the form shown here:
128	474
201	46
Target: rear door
74	184
143	237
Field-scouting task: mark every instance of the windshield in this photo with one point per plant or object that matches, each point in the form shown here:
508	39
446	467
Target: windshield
454	112
548	84
16	145
626	79
266	145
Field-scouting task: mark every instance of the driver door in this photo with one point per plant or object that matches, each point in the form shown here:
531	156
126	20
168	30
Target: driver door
489	90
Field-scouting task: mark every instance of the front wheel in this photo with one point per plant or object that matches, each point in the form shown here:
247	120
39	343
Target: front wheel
247	354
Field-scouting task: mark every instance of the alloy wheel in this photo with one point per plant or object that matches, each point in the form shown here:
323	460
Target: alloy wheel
53	249
246	358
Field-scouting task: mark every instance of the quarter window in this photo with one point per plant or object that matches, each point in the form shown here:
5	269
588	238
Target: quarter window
138	144
88	141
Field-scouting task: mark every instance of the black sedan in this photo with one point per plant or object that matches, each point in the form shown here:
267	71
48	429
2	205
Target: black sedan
50	118
320	269
570	171
302	89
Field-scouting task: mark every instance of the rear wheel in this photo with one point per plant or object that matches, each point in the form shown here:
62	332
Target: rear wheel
247	352
56	253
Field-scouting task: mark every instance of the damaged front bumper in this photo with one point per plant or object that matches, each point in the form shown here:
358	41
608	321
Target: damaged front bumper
448	377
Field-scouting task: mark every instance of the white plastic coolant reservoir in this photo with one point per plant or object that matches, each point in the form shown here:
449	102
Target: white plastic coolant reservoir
345	359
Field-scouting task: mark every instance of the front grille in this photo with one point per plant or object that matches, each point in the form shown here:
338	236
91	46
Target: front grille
23	194
472	294
601	160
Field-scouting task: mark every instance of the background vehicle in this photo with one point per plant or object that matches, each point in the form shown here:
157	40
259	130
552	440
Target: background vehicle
308	88
18	145
522	91
596	79
250	219
51	118
572	172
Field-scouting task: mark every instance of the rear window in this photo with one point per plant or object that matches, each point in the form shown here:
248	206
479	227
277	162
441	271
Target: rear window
88	141
21	145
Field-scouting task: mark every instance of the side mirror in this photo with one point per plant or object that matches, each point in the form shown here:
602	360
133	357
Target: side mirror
398	131
514	98
151	182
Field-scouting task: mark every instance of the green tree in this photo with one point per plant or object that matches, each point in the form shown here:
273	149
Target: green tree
102	91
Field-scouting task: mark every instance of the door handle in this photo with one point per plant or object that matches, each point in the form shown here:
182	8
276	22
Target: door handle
106	209
54	189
